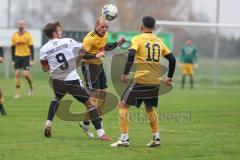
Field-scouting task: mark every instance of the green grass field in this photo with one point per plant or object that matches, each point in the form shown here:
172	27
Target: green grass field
210	132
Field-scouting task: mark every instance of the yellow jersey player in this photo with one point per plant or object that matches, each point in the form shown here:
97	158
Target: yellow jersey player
188	61
2	110
22	55
145	51
93	71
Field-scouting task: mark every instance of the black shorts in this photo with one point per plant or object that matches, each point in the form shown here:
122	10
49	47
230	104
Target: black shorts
94	76
22	62
61	88
137	93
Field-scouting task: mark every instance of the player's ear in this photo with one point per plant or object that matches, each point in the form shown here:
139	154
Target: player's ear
141	28
54	34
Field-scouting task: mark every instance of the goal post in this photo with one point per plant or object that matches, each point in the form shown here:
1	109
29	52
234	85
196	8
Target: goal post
197	24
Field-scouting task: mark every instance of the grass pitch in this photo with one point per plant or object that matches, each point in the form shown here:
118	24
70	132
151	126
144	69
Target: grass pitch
195	124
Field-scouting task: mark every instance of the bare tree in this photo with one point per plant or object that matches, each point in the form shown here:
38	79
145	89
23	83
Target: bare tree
81	14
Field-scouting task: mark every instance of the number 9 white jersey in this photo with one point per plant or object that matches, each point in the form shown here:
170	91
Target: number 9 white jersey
61	55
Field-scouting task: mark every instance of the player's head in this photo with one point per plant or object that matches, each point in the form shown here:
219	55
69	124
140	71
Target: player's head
189	41
53	30
20	25
148	24
101	26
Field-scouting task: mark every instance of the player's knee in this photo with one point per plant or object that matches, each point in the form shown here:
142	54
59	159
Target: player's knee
122	105
149	109
94	93
17	74
88	104
102	94
26	73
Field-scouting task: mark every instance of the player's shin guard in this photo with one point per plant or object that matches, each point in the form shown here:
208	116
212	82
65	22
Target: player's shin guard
123	122
94	116
100	108
101	102
98	100
123	119
52	110
17	82
87	118
29	80
153	120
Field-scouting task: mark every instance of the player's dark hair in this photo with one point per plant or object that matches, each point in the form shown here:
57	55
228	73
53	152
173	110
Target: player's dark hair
148	22
50	28
189	38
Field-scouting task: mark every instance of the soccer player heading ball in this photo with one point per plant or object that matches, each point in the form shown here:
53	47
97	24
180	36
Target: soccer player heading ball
145	51
93	71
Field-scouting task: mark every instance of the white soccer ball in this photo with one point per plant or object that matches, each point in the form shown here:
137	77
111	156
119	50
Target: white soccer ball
109	12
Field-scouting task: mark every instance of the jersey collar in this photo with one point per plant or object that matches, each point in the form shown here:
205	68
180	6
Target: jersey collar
98	33
21	33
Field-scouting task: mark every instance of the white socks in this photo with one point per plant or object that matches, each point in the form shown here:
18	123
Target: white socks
156	135
100	132
48	123
124	136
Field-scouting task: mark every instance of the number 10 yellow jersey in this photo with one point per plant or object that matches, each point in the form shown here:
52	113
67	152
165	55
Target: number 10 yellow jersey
149	48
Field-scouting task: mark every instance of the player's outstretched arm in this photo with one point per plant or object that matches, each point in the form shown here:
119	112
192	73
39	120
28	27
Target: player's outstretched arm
88	56
171	67
84	54
111	46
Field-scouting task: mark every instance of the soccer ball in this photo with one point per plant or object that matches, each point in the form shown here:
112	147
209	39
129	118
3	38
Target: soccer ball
109	12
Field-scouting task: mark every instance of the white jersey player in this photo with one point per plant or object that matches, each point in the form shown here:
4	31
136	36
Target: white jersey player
60	56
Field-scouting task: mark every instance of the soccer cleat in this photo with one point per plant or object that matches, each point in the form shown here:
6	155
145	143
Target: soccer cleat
154	143
120	143
86	129
47	132
17	96
2	111
105	138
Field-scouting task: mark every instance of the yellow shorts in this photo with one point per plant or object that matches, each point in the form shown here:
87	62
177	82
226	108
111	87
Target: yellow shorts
187	69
